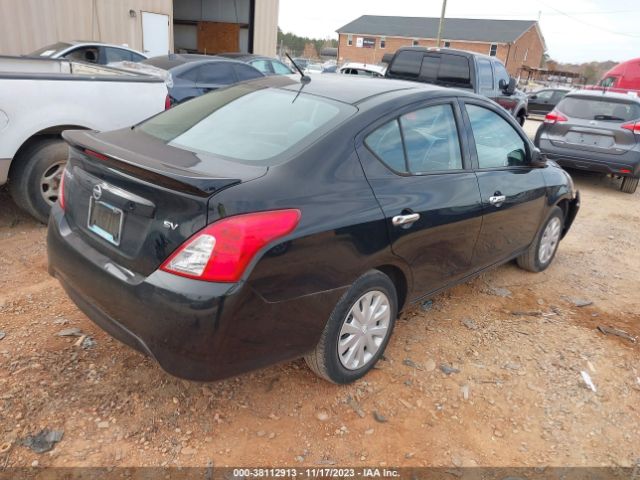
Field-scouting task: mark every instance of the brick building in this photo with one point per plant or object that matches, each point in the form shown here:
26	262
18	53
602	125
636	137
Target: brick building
518	43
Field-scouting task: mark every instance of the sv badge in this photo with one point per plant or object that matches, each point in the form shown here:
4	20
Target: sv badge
170	225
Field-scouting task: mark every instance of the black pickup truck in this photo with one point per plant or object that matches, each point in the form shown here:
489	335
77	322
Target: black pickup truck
448	67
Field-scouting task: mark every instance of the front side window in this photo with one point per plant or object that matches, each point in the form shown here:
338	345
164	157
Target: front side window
608	82
493	50
263	65
501	73
431	139
84	54
281	69
419	142
544	96
248	124
497	142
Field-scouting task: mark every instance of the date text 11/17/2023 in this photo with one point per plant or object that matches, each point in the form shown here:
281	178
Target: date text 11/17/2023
327	472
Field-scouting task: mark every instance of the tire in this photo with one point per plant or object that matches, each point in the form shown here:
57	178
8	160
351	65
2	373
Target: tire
533	260
521	118
325	360
629	185
36	176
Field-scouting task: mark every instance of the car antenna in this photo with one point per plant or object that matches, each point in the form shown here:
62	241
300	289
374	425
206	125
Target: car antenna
304	78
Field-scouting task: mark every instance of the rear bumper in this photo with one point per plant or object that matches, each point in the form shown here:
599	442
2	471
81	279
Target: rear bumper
195	330
625	165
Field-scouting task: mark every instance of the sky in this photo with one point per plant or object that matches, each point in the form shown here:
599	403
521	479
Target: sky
575	31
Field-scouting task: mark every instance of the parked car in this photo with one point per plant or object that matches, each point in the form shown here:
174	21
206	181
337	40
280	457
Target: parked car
194	75
313	69
622	78
543	101
362	69
39	98
482	74
267	65
277	219
303	63
90	52
595	131
331	68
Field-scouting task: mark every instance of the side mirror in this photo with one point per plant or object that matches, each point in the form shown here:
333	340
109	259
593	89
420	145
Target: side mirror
538	159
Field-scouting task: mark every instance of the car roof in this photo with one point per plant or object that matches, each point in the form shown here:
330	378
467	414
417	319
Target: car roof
599	94
174	60
351	90
243	56
364	66
75	43
454	51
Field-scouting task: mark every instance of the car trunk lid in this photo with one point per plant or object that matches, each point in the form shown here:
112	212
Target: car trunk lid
135	199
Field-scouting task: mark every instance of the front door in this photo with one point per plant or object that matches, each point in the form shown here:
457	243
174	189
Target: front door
541	102
155	34
420	174
513	193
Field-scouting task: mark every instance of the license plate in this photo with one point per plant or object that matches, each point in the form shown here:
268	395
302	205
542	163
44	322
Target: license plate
105	220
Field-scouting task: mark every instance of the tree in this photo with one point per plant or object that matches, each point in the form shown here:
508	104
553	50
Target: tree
296	45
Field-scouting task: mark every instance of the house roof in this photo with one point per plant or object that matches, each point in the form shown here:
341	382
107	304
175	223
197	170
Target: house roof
469	29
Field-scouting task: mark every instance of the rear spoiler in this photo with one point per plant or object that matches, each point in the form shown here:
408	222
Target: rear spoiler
140	167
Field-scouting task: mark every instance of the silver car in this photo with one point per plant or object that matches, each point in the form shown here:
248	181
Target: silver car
90	52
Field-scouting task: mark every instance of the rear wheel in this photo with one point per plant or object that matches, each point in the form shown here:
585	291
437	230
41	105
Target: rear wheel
629	184
543	249
358	330
34	183
521	118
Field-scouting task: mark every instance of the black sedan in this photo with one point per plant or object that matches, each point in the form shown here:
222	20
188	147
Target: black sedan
276	219
542	102
194	75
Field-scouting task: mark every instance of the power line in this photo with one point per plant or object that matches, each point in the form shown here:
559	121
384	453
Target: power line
587	23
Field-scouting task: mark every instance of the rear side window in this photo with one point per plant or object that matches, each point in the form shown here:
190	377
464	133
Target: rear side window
248	124
601	109
429	137
263	65
407	63
117	55
217	73
386	143
245	72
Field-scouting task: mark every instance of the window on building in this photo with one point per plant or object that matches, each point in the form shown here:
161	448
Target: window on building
350	40
447	44
493	51
415	42
383	42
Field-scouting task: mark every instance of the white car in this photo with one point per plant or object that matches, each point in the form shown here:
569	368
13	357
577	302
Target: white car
313	69
90	52
363	69
40	98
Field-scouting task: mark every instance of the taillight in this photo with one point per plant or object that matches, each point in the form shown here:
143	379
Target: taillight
632	126
222	251
97	155
554	117
167	102
61	189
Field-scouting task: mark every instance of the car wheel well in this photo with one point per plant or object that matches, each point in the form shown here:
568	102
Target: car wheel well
564	206
399	280
47	133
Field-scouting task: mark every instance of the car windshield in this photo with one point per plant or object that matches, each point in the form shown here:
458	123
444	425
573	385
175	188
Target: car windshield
50	50
603	109
247	124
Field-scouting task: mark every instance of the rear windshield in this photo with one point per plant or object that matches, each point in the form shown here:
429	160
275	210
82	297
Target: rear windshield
602	109
255	126
50	49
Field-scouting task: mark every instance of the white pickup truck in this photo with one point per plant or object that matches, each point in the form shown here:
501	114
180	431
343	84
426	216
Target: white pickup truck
40	98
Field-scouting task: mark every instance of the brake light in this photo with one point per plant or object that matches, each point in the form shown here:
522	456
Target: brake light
554	117
61	189
167	102
632	126
625	170
222	251
97	155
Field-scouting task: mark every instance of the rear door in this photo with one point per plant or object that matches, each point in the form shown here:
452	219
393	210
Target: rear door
513	193
594	125
417	164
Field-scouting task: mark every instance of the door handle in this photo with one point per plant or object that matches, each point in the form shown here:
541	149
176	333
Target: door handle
402	220
497	200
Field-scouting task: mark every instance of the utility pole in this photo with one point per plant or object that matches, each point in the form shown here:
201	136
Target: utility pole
444	10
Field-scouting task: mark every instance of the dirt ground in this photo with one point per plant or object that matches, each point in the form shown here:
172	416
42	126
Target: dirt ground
518	341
